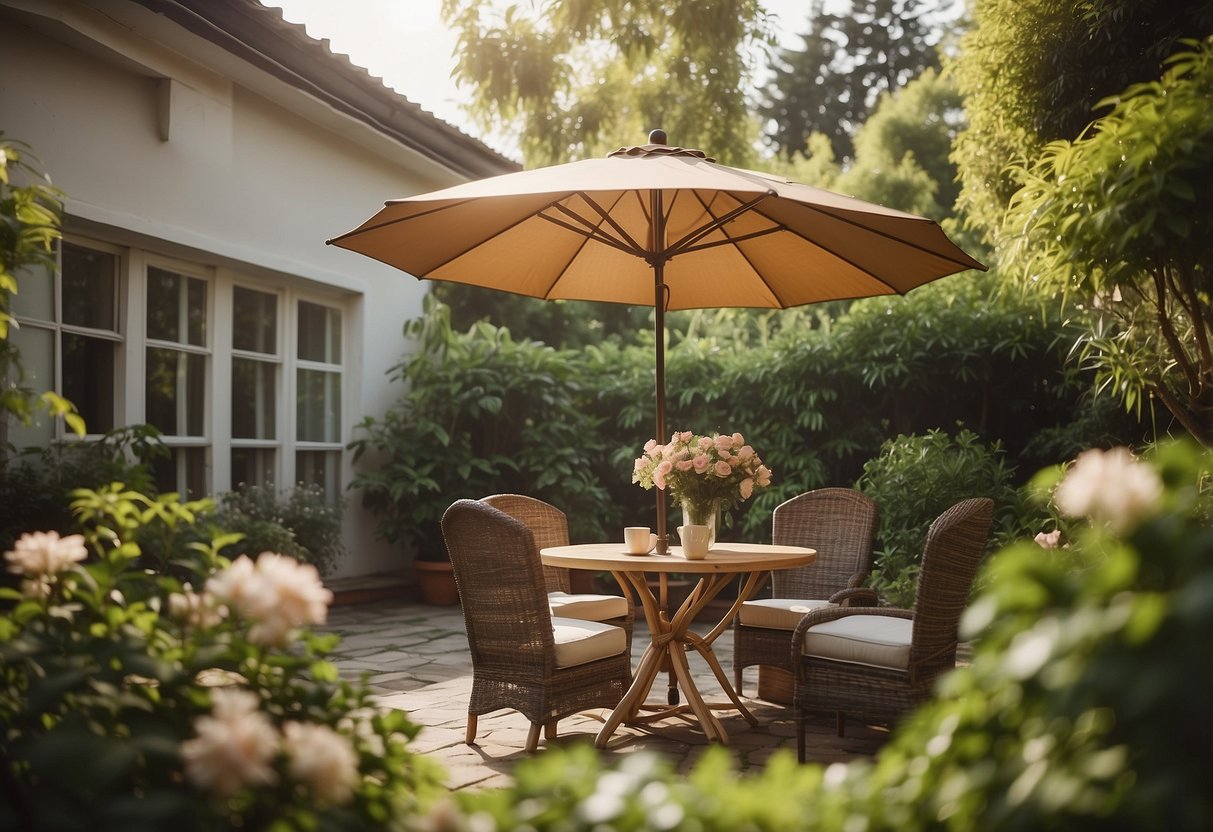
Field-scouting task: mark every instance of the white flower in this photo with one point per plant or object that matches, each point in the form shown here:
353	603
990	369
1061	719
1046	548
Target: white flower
323	759
276	595
199	611
41	554
234	746
1110	487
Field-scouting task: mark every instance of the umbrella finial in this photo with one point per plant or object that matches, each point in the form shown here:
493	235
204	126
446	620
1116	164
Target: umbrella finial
657	136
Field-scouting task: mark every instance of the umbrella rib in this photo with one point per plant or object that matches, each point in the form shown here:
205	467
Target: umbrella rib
602	212
718	223
365	229
589	232
884	234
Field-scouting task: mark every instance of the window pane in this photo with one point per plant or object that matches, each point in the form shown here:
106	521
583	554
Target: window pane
253	466
320	468
255	321
88	379
319	333
37	348
176	307
176	392
89	278
183	471
318	410
253	399
37	296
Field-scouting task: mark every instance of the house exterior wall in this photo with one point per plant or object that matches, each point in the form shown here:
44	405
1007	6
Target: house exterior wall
182	175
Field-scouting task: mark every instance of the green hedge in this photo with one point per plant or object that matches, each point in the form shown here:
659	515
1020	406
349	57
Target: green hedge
817	395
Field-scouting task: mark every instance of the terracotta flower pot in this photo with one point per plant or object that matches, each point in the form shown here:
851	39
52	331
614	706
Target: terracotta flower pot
436	580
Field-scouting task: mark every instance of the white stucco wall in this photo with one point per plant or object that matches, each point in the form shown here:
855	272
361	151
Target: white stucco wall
242	181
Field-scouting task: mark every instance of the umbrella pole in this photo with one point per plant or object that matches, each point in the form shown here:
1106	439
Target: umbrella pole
663	538
657	260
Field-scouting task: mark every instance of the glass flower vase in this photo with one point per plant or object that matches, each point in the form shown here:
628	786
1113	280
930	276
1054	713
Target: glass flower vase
705	513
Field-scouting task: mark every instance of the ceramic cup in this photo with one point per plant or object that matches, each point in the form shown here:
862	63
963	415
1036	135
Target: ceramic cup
638	540
694	541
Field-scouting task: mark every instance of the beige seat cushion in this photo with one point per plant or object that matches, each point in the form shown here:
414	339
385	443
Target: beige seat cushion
578	642
875	640
777	613
587	607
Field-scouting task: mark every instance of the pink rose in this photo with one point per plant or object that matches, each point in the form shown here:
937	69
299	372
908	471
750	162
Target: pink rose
723	469
764	476
701	463
684	465
726	456
746	452
650	445
684	437
640	463
705	442
723	443
664	467
1049	541
659	480
746	488
738	440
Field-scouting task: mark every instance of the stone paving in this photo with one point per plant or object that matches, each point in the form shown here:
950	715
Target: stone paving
416	658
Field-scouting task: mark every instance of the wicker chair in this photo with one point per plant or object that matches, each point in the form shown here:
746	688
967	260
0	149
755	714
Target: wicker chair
878	663
522	657
550	527
840	524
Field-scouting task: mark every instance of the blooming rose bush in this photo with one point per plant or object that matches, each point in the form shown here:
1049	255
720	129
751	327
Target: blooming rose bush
702	470
192	700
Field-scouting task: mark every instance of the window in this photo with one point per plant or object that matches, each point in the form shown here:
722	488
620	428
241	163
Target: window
243	377
69	337
175	384
255	393
318	397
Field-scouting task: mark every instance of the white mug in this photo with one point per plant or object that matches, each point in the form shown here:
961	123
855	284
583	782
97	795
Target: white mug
638	540
694	541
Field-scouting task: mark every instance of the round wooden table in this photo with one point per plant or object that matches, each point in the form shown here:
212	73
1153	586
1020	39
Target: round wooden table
671	634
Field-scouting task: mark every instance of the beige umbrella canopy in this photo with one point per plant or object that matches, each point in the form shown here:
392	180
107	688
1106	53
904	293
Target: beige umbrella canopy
659	226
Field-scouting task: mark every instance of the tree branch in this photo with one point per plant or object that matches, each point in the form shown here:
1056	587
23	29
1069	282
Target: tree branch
1168	332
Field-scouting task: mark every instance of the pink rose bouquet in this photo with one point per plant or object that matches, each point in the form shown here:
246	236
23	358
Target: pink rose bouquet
702	472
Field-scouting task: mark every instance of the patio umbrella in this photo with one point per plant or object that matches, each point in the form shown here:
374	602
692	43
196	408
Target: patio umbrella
661	226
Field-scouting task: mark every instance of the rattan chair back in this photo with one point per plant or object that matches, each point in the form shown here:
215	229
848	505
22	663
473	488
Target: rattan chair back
549	526
501	588
840	523
955	545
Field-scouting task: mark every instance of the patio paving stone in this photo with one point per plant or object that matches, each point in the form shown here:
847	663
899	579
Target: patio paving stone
415	658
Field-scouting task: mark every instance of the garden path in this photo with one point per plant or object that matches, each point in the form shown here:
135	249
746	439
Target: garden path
415	658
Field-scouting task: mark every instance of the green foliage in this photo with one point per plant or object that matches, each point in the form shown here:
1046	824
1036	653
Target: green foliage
107	675
816	397
578	78
483	414
36	486
1084	709
1116	219
913	481
1034	71
30	212
851	55
300	523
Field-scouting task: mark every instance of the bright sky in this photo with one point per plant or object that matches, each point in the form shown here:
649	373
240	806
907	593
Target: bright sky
405	43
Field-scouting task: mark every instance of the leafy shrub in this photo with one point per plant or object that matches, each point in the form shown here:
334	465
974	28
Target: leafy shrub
36	486
1085	707
482	414
913	481
300	523
131	700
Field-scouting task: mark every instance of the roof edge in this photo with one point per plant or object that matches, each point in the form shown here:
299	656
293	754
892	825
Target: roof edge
261	36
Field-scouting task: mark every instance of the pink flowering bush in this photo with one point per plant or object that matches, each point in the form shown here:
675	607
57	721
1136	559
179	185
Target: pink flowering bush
701	471
196	699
